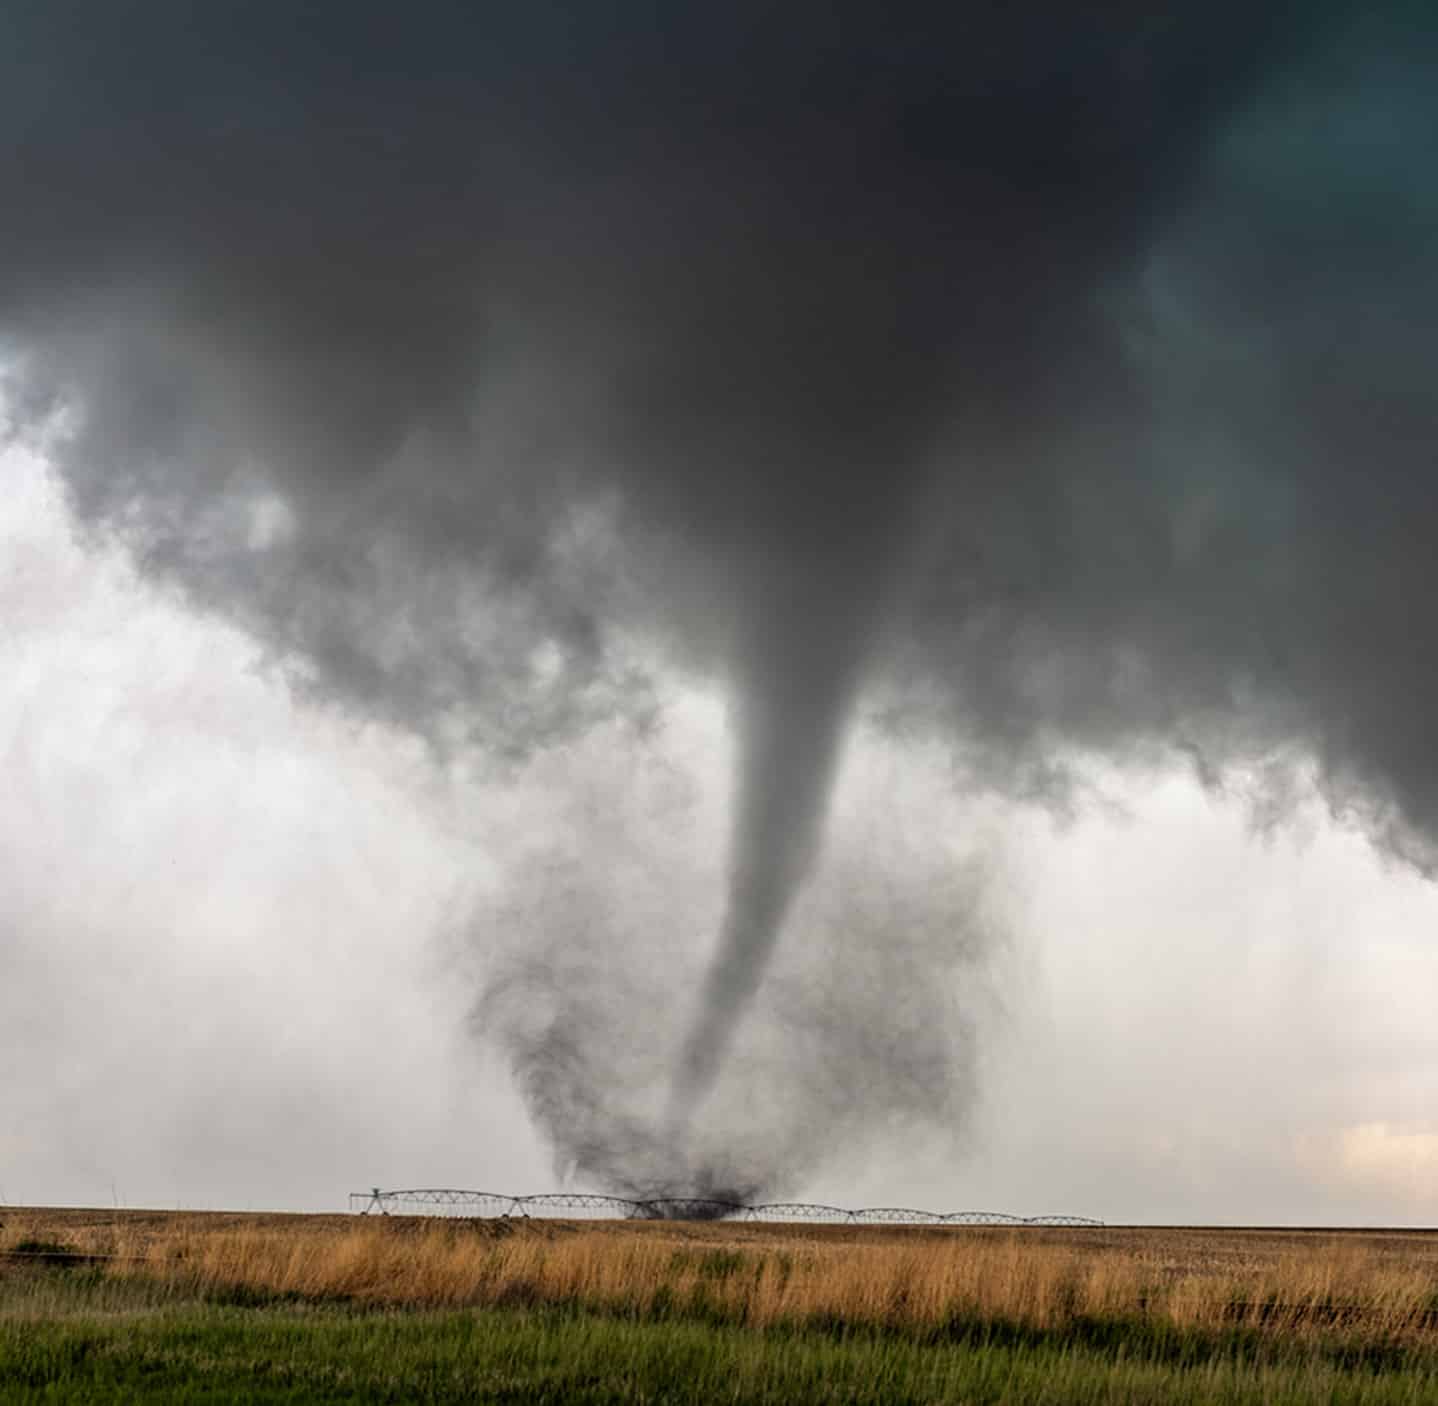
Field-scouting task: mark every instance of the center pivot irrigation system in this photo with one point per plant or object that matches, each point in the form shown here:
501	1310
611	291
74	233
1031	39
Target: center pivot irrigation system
441	1201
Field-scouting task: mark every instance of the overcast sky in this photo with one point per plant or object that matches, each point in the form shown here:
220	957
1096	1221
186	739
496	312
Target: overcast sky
230	974
767	601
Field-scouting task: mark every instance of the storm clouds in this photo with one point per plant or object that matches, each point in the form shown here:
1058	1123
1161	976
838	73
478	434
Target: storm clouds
1018	380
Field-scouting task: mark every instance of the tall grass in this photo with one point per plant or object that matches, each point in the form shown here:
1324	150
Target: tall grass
1317	1289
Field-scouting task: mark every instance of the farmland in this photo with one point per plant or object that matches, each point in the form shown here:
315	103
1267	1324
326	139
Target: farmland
195	1306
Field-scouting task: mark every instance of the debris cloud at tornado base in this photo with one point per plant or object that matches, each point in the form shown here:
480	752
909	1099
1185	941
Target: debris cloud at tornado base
1048	379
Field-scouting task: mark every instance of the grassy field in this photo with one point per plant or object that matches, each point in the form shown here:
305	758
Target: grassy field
151	1307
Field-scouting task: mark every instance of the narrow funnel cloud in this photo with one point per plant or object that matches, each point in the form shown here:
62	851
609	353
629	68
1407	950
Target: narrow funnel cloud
789	725
807	619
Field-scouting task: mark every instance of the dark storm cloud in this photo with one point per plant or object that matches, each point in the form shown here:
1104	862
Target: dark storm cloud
1055	372
1224	549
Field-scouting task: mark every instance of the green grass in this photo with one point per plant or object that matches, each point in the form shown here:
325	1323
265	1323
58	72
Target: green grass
74	1335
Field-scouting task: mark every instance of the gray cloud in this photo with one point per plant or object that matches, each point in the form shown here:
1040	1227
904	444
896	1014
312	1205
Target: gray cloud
1051	378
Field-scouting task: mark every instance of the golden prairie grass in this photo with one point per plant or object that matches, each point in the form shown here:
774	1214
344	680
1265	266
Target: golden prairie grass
1306	1286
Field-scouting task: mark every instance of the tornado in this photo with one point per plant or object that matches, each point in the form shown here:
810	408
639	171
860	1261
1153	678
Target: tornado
1051	376
788	725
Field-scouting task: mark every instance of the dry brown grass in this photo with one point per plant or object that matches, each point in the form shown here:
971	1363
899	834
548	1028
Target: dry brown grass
1306	1284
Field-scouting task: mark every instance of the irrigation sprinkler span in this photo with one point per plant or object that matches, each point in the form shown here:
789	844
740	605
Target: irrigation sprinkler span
584	1205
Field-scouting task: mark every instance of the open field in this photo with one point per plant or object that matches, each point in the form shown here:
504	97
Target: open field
215	1307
